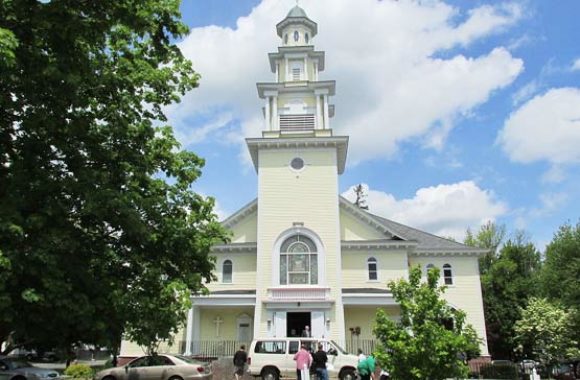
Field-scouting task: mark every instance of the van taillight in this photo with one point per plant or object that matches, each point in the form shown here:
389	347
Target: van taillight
249	360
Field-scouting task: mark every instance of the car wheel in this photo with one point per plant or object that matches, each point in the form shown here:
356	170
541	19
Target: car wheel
347	374
109	378
270	374
175	378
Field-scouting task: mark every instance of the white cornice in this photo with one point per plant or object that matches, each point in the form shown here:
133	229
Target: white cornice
425	252
376	244
235	247
240	214
287	50
338	142
217	300
385	299
290	87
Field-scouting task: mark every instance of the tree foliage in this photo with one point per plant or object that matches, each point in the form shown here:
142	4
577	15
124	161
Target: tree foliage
560	278
100	232
423	344
509	276
546	329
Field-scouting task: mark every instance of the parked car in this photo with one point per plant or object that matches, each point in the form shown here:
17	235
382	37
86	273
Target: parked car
20	369
34	355
158	367
273	358
567	370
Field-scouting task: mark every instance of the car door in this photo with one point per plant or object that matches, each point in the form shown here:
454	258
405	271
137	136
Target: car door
159	366
137	369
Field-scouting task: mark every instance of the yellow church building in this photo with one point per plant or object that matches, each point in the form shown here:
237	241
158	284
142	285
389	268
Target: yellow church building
300	254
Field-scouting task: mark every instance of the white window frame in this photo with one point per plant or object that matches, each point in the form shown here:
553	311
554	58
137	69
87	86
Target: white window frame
231	273
320	251
448	267
372	260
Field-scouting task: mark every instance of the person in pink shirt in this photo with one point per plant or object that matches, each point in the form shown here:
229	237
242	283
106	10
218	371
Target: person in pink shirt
303	362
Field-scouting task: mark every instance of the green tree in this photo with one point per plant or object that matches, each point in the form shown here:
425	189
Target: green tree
508	273
431	340
547	330
507	286
100	232
490	236
560	277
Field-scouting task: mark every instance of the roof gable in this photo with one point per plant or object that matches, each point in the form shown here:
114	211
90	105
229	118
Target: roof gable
426	242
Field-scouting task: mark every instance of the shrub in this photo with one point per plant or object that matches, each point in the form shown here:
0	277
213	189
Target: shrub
82	371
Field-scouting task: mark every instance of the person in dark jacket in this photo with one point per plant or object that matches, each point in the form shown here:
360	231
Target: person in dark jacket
240	358
319	360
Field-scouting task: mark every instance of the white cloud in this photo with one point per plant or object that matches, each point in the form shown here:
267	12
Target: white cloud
444	210
576	65
545	128
525	92
391	87
555	174
549	204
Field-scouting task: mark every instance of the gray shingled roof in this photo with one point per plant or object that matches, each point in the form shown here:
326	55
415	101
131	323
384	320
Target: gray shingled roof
425	240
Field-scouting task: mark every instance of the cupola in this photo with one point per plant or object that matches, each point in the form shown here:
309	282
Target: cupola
296	29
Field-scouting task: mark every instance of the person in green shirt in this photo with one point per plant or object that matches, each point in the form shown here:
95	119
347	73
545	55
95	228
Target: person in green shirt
363	369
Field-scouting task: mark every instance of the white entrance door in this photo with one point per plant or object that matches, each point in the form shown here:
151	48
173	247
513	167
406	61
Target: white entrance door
245	327
280	324
317	320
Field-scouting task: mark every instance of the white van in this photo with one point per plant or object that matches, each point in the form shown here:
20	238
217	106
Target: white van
273	358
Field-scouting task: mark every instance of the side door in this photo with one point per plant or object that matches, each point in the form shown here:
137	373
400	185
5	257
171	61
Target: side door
136	370
160	368
290	368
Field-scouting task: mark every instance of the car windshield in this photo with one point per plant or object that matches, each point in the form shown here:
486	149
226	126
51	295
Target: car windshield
342	350
188	360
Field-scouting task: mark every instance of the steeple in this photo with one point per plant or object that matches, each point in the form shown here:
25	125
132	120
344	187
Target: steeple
297	102
297	107
296	29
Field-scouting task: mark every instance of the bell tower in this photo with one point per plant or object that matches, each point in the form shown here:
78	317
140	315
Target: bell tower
298	161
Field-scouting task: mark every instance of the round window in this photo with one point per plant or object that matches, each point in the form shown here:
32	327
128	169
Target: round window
297	163
296	35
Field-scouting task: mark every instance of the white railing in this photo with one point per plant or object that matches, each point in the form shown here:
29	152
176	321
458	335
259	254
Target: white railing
292	123
298	294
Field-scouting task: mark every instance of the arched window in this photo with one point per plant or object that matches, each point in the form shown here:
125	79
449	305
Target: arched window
298	261
428	267
306	38
372	268
447	274
227	269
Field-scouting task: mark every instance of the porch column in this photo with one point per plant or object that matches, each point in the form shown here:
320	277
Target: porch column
188	332
267	114
318	113
326	123
192	331
275	117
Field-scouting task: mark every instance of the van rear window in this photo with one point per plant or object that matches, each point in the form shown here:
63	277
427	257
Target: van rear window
270	347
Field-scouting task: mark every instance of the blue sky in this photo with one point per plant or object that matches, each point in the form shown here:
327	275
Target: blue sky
458	112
